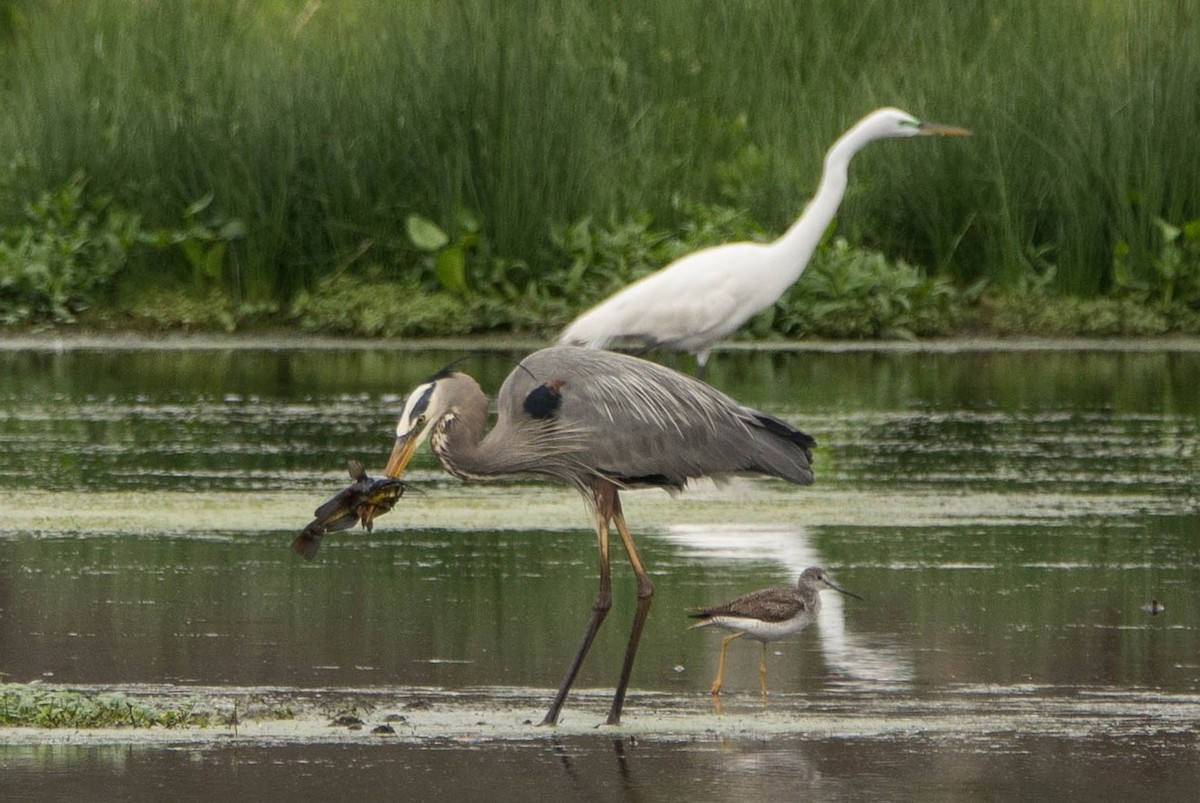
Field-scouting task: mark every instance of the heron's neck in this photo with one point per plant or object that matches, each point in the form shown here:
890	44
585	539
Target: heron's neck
797	244
459	442
508	450
457	439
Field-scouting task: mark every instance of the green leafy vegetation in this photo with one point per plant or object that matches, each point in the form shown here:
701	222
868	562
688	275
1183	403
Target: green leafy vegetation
74	252
231	165
349	305
1174	260
67	252
1058	316
70	262
858	294
34	705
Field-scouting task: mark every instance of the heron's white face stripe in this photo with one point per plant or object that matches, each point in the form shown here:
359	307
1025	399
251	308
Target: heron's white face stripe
416	407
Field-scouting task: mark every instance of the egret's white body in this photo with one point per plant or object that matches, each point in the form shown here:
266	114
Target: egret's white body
706	295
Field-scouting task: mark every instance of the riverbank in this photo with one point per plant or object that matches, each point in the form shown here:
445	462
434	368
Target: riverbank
277	340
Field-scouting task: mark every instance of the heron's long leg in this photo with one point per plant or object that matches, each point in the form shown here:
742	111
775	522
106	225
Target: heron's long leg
645	595
599	610
715	689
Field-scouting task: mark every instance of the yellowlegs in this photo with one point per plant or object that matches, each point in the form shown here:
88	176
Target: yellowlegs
767	615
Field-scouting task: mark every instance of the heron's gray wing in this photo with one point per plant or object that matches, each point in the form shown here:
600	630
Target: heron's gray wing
642	422
769	605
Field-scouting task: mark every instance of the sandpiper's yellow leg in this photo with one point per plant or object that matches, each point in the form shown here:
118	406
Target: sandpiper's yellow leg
715	690
762	671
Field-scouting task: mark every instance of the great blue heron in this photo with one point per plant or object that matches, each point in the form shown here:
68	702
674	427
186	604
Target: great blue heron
706	295
767	615
601	422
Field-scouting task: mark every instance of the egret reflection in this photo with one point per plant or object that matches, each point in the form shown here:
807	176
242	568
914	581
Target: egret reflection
790	546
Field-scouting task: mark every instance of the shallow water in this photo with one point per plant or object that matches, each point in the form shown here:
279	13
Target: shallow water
1006	516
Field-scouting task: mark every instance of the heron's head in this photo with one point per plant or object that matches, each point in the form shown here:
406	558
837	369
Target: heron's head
425	406
888	123
817	578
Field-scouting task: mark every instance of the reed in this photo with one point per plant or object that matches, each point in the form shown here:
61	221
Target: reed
318	127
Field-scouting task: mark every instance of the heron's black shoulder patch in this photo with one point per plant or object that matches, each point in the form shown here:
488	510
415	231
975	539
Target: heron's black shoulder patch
544	400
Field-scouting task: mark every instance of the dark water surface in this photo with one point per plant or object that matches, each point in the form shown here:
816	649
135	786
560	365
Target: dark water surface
1006	516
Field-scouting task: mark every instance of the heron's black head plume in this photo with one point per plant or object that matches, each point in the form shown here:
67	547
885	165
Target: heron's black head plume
449	367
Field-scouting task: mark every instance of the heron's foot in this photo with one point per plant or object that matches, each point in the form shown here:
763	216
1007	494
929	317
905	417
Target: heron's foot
716	700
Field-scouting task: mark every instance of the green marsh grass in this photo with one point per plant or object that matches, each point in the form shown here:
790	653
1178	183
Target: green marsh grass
319	127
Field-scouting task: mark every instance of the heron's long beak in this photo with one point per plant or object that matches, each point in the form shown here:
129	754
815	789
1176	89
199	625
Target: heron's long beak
943	130
842	590
402	452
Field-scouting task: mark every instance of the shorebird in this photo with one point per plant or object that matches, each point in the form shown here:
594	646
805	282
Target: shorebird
767	615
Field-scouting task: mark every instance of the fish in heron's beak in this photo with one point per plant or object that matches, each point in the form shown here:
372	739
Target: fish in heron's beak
362	500
943	130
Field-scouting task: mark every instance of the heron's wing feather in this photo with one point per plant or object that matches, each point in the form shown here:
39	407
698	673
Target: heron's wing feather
649	421
637	422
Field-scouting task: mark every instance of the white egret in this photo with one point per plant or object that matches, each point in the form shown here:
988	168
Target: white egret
706	295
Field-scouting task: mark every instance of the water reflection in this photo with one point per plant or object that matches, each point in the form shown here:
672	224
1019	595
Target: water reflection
602	769
1023	509
241	420
790	549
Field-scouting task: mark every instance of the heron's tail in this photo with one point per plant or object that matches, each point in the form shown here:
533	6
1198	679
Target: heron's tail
785	430
783	451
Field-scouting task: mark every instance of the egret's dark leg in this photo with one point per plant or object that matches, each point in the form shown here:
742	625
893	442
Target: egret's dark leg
599	610
645	595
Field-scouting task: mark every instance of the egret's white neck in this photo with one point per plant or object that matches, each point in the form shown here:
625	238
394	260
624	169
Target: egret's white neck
796	245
